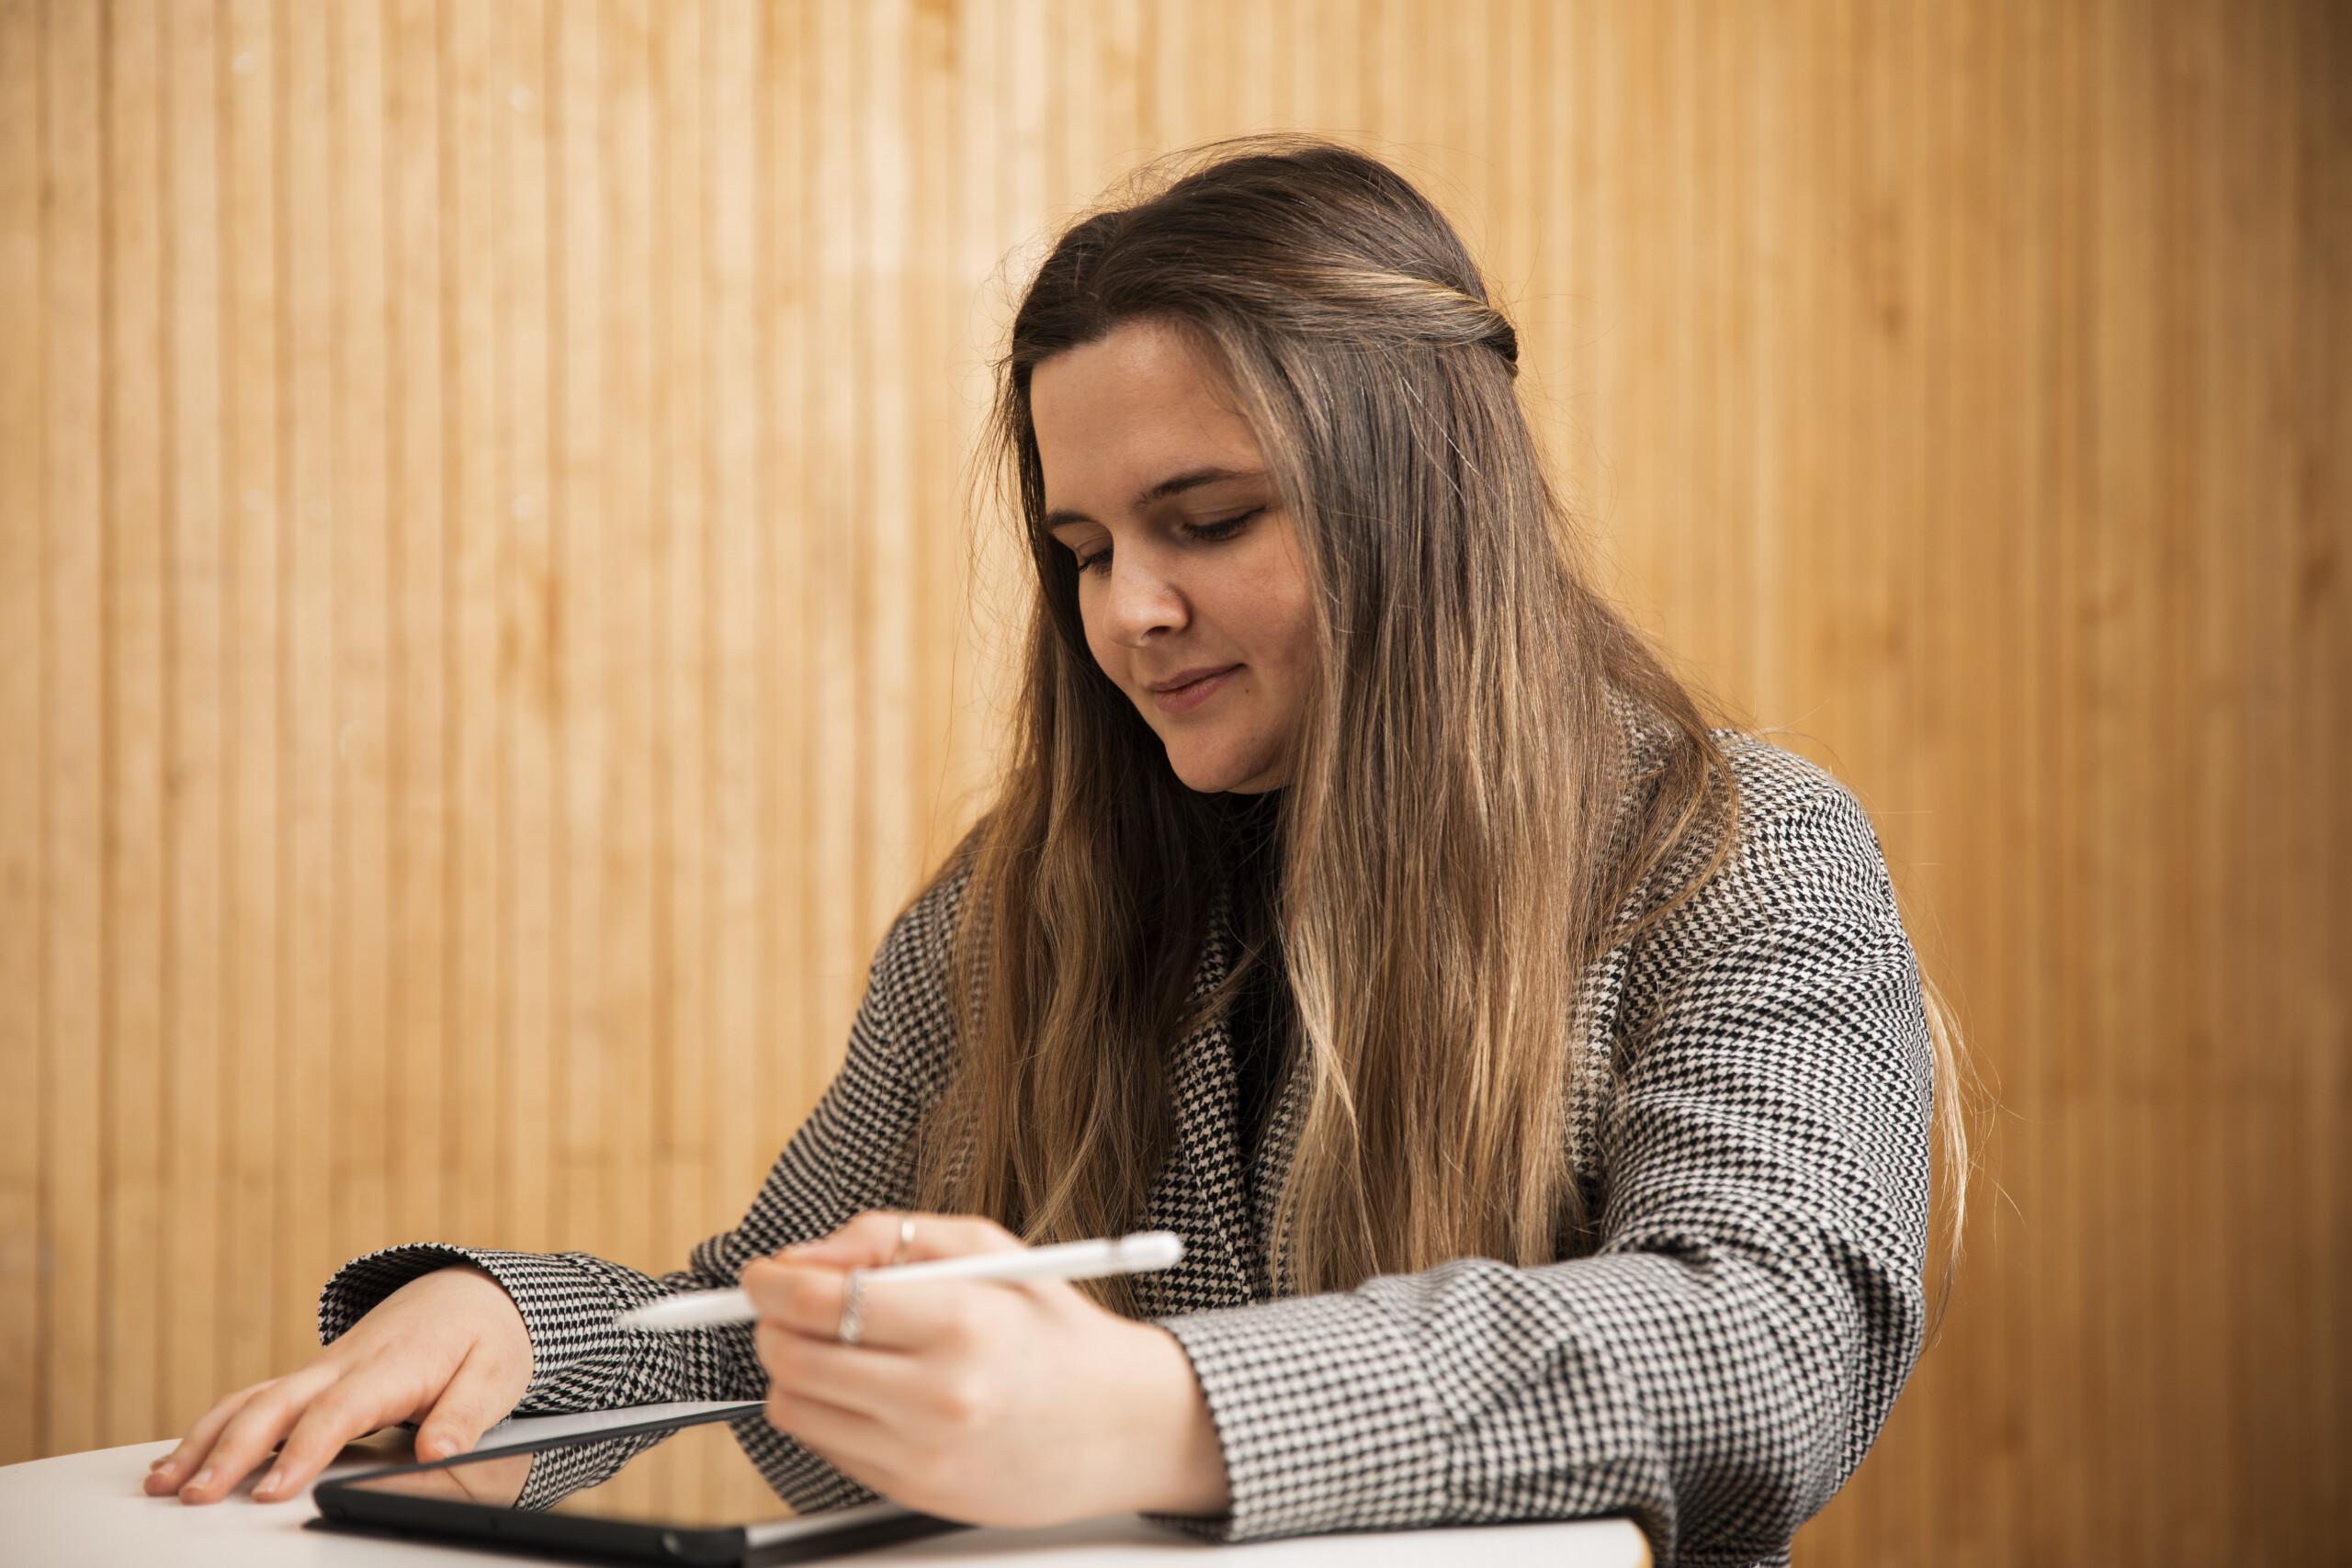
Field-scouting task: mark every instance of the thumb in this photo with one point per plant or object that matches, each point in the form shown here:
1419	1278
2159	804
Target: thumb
459	1416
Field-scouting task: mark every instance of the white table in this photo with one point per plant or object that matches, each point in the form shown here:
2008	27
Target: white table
91	1509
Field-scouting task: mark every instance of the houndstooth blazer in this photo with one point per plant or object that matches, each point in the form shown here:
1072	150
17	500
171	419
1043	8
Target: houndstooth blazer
1753	1135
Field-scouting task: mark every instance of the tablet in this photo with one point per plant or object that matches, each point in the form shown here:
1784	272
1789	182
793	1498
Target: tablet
680	1489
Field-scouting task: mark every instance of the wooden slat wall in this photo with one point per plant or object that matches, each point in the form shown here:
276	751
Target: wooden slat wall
489	628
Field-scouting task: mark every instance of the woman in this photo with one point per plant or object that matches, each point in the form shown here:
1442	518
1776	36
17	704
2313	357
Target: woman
1542	1080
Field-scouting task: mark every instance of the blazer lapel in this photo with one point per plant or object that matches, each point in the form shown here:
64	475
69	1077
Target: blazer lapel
1198	1193
1275	1150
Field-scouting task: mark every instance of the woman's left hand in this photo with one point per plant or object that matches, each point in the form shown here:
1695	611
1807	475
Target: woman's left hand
991	1402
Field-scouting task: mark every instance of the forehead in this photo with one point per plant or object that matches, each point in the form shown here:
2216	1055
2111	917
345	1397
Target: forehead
1130	410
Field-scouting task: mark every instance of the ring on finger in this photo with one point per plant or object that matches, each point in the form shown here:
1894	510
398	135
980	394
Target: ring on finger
906	1239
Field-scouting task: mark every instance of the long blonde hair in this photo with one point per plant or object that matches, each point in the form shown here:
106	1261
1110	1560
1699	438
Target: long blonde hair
1452	856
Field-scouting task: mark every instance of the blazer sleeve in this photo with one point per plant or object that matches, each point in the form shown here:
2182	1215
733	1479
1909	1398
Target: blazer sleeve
850	1155
1720	1362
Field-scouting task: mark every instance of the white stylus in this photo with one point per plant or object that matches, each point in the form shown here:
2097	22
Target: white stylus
1138	1254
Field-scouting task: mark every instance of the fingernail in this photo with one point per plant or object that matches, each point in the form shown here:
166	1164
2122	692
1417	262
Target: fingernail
270	1483
201	1480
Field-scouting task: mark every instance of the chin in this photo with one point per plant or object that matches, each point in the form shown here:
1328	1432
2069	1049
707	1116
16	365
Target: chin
1217	775
1203	781
1203	775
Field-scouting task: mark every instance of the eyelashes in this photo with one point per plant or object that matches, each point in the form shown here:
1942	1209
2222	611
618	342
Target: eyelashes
1208	532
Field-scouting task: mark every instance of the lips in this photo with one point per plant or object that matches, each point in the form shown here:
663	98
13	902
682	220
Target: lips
1183	678
1182	696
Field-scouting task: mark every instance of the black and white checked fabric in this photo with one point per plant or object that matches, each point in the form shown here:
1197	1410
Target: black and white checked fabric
1754	1137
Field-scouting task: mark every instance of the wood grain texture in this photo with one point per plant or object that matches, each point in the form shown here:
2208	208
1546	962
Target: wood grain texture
24	627
493	619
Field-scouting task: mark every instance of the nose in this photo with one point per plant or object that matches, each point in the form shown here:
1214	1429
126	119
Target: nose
1140	599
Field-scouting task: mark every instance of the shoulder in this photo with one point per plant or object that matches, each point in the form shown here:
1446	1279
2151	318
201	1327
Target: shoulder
1777	791
1797	820
922	933
908	1011
1772	779
1805	853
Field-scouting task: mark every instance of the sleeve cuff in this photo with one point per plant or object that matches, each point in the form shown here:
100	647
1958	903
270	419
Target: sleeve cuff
568	1307
1327	1417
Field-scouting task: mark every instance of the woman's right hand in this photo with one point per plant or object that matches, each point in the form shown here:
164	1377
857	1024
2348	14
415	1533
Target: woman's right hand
447	1350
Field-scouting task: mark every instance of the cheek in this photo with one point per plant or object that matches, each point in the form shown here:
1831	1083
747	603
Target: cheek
1297	634
1276	618
1274	609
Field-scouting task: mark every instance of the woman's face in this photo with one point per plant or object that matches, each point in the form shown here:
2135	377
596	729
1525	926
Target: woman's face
1190	579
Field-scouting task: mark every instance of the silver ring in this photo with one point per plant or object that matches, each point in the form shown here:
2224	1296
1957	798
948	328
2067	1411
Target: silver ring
853	1309
906	1239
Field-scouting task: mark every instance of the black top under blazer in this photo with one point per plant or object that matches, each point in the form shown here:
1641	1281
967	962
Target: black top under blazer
1752	1131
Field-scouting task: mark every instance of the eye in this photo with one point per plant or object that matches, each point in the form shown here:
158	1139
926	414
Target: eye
1208	532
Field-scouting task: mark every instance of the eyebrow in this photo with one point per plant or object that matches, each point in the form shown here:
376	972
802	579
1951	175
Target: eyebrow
1175	484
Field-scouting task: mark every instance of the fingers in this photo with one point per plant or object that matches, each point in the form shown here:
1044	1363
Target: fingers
367	1398
855	1378
892	1316
449	1343
812	1301
871	1240
463	1412
805	1288
354	1406
854	1443
251	1432
166	1475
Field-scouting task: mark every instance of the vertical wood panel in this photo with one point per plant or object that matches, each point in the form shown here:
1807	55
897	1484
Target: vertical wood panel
195	652
253	1016
632	833
786	1085
886	519
682	1090
418	994
2248	661
359	565
740	1121
310	1066
576	503
2132	688
836	726
492	618
481	1077
131	1067
938	363
530	627
988	553
2317	1374
23	725
73	888
2048	516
